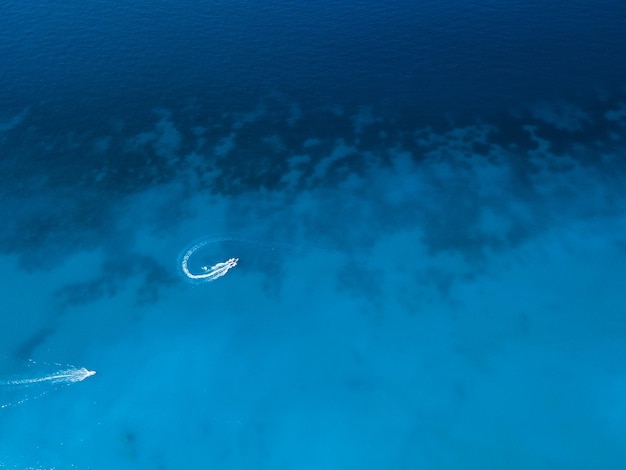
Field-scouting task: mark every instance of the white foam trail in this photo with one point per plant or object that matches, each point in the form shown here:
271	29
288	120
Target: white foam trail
208	273
66	376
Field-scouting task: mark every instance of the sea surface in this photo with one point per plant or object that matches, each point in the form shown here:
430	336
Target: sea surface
313	235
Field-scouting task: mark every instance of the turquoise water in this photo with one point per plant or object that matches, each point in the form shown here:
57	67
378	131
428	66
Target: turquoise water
413	217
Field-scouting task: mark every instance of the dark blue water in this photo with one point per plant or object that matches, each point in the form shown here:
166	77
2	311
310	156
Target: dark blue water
439	56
